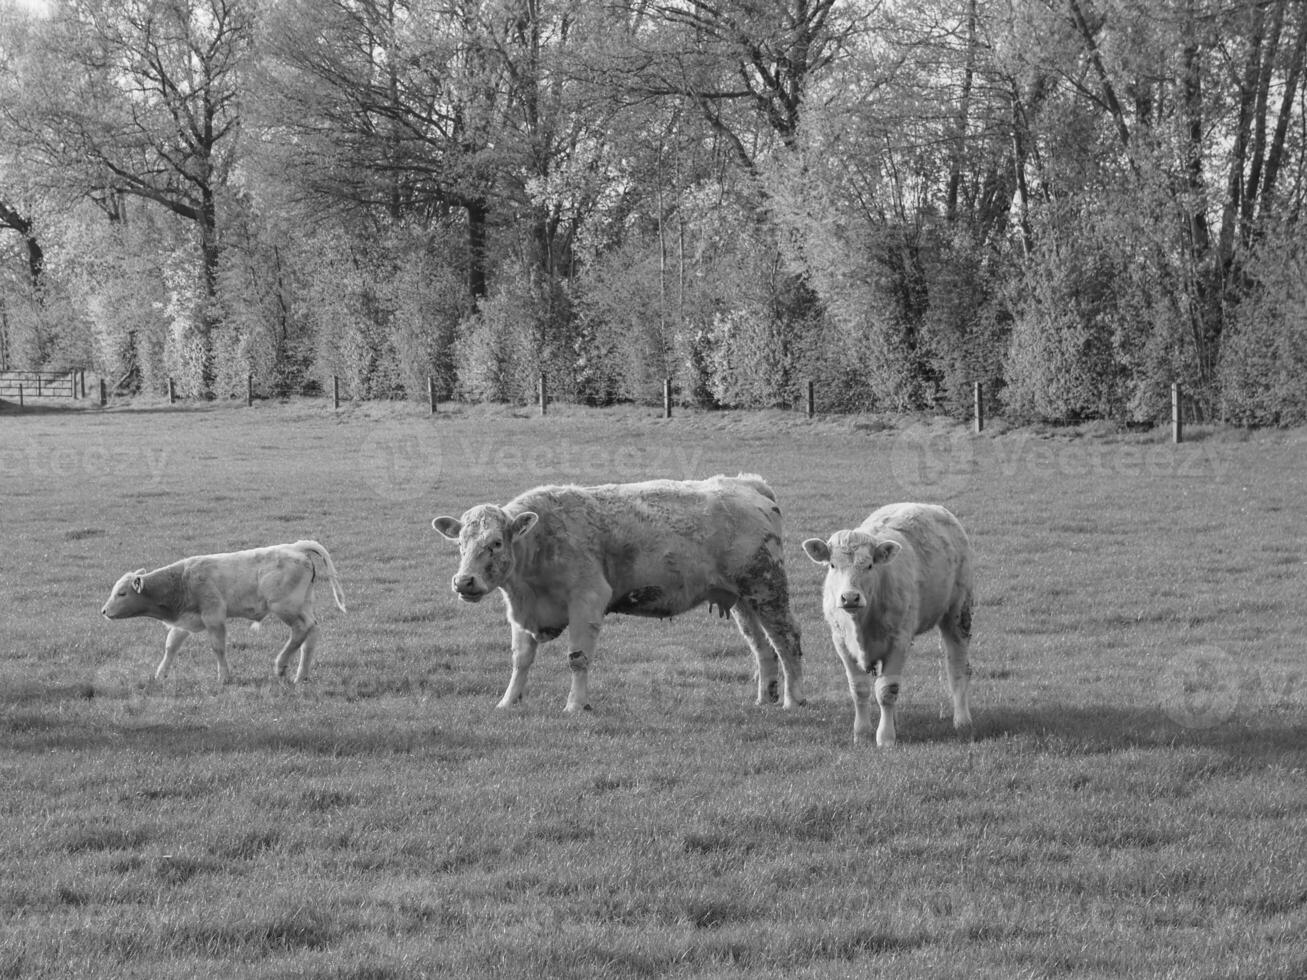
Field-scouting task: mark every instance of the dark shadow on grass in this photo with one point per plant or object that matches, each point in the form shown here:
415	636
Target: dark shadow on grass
26	727
43	407
1268	738
182	740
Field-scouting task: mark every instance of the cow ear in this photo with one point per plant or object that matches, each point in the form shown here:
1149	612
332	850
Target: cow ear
818	550
448	526
885	551
138	584
523	523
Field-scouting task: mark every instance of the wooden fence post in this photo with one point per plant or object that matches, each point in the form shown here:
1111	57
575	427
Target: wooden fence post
812	399
104	394
335	391
1177	421
544	395
978	396
249	391
20	394
667	398
172	392
431	393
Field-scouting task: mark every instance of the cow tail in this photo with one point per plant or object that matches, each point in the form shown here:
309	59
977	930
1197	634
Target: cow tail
313	548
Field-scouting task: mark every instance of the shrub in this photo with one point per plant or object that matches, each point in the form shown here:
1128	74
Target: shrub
1263	363
1061	363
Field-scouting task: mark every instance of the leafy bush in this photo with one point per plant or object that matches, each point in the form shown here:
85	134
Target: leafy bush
967	327
500	352
631	334
1061	363
1263	367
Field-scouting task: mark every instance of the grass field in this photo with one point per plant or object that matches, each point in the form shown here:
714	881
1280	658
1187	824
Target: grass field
1134	804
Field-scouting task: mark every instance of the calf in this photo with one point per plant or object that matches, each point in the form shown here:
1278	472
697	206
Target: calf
203	592
565	556
906	569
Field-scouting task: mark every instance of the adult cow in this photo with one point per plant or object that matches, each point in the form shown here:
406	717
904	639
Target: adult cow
203	592
906	569
565	556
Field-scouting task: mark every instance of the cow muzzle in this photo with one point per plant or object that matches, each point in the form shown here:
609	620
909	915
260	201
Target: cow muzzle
851	601
467	588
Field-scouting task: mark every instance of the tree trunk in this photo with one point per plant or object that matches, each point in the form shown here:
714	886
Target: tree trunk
209	314
1205	309
10	218
1275	154
477	213
964	113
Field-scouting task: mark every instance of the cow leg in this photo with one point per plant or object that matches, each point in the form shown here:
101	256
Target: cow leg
301	628
887	691
176	635
218	640
583	620
860	683
307	647
954	640
783	632
751	629
524	655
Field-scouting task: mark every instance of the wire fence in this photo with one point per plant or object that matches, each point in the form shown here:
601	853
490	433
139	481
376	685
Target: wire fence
19	386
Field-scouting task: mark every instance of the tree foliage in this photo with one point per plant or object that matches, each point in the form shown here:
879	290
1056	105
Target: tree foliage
1075	201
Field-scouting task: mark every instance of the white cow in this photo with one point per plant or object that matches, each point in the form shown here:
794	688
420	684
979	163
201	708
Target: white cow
203	592
906	569
565	556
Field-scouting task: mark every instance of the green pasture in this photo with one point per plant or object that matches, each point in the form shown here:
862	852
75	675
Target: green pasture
1134	803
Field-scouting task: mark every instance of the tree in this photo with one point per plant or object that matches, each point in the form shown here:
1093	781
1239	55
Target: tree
14	220
143	98
1199	101
14	32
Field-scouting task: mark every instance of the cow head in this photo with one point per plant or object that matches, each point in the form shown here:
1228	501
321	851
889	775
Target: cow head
130	597
485	537
853	561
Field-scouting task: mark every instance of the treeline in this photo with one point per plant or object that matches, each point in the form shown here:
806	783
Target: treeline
1075	201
